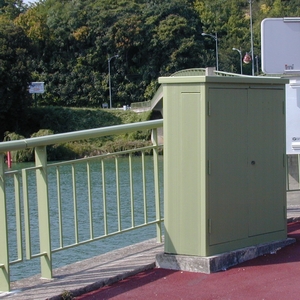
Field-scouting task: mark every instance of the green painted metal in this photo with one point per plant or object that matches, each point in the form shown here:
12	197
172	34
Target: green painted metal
131	190
18	214
104	198
4	255
144	188
78	135
26	214
75	204
190	72
118	194
59	207
40	170
224	176
89	185
141	106
43	211
156	187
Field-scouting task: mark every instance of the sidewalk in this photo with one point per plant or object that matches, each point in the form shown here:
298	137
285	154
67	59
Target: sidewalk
88	275
273	276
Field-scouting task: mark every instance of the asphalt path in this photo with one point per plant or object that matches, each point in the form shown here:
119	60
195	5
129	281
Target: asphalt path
272	276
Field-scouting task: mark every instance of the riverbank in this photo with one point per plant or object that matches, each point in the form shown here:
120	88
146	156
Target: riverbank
41	121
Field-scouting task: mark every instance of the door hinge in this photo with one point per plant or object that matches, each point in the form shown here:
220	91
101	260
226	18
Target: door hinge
208	167
209	226
208	108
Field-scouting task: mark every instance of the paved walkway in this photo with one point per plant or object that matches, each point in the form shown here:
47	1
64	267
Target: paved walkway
269	277
88	275
273	276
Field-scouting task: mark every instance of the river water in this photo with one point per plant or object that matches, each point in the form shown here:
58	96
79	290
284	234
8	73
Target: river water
68	256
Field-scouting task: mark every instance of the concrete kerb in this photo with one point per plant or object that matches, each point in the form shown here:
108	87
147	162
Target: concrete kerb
88	275
226	260
220	262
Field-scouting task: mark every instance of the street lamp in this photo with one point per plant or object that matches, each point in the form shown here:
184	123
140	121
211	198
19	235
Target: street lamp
257	70
215	37
241	59
109	81
251	32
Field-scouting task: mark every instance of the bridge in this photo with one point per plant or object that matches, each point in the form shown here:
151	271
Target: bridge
33	204
156	103
33	217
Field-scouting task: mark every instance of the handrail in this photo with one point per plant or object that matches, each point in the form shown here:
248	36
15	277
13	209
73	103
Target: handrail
78	135
25	191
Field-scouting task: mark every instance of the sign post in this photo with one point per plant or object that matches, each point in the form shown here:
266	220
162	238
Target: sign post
280	46
36	88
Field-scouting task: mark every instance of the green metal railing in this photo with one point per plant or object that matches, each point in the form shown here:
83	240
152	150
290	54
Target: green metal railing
293	173
141	106
25	189
150	104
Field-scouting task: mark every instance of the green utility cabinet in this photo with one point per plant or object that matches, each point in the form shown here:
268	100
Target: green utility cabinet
224	163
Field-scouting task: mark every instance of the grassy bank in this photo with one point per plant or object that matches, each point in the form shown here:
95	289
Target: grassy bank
42	121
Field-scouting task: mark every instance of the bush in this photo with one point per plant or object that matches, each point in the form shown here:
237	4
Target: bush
60	120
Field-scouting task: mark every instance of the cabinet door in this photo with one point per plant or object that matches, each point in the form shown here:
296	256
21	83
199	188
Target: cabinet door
227	164
266	146
184	170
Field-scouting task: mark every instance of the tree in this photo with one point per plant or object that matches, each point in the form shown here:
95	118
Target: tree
73	40
14	74
11	8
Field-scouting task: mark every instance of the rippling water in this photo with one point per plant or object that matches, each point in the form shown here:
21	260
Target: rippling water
64	257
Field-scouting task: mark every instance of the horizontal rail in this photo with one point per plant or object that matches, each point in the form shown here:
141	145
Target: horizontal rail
103	236
61	205
78	135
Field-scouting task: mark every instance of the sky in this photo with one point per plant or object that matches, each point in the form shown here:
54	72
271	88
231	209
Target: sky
30	1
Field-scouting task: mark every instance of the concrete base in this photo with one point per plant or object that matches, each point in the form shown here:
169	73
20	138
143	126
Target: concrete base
220	262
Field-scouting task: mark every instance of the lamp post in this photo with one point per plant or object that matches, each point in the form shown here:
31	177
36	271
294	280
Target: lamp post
251	32
109	81
257	70
241	59
215	37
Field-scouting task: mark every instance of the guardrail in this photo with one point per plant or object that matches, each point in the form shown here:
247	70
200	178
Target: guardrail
31	198
141	106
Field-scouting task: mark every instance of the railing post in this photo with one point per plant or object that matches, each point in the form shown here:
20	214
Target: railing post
156	186
4	255
43	211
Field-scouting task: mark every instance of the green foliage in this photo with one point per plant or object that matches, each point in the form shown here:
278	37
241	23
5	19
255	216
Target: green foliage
21	155
74	39
60	120
14	74
63	119
66	295
67	44
11	8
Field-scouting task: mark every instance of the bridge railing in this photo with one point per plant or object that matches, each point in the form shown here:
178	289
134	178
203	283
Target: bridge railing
141	106
32	212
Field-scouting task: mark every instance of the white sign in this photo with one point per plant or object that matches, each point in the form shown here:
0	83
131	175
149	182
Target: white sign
280	45
293	116
36	88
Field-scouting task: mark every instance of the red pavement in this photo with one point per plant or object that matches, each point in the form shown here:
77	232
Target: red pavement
272	276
